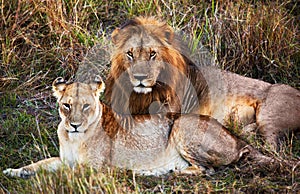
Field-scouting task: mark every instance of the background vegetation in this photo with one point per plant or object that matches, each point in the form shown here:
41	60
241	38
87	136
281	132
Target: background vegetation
43	39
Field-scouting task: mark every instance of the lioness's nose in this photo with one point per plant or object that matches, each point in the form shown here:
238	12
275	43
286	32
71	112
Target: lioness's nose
140	77
75	125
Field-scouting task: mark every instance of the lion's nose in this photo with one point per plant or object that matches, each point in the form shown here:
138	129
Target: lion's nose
75	125
140	77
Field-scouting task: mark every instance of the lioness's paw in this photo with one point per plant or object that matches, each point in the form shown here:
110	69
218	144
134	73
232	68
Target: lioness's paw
21	172
26	173
10	172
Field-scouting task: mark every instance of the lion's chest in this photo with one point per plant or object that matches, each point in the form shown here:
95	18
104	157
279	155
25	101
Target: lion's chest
145	149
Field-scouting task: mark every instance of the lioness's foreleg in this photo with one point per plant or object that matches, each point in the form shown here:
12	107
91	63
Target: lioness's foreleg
50	164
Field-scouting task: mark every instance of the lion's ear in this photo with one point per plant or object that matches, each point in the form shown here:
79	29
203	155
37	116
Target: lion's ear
114	35
98	85
58	86
169	34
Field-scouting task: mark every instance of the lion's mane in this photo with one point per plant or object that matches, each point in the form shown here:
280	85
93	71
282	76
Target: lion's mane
165	96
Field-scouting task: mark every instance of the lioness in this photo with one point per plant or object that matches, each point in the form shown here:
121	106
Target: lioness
152	72
90	133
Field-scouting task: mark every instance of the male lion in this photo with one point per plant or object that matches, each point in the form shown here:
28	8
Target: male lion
151	72
90	133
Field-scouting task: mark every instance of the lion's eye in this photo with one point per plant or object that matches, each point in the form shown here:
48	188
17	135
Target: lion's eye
66	106
129	54
85	107
152	54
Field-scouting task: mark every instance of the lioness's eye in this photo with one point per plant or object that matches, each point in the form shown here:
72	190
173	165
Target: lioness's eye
129	54
66	106
152	54
85	107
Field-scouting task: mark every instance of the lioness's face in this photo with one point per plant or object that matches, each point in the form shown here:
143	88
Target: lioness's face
143	62
79	105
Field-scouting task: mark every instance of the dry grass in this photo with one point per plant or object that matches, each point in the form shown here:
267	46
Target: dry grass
258	41
41	40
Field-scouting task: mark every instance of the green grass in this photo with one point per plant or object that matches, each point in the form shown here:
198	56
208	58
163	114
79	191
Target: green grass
41	40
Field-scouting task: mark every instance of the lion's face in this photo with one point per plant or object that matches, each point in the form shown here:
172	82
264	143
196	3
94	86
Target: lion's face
143	62
144	52
79	104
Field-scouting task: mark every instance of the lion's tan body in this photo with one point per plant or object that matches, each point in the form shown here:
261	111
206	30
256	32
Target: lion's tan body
151	72
90	133
274	108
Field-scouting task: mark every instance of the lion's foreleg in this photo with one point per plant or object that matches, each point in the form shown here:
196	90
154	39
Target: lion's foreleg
50	164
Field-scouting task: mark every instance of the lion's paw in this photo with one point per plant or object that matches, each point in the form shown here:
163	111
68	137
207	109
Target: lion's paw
21	172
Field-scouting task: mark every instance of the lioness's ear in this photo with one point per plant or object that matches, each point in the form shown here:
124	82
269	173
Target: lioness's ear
58	86
98	85
114	35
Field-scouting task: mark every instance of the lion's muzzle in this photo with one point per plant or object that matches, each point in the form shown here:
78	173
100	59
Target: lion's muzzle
141	83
